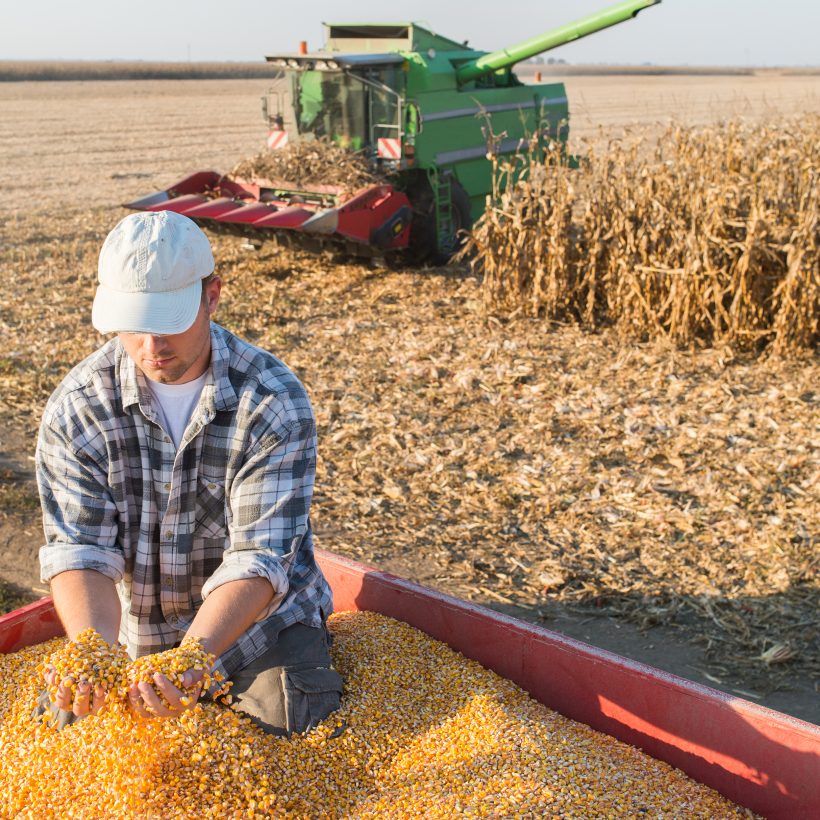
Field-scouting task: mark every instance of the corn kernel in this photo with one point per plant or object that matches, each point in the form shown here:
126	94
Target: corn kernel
422	732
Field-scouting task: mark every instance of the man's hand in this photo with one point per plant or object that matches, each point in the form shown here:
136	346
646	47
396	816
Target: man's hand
83	701
146	702
72	703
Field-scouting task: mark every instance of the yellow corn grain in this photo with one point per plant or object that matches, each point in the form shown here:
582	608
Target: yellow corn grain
173	663
87	658
422	732
90	657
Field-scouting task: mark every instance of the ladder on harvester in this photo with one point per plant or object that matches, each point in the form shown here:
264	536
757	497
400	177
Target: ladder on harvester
443	202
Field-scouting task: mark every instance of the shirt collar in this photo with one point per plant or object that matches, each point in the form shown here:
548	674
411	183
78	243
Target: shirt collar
134	390
225	396
128	378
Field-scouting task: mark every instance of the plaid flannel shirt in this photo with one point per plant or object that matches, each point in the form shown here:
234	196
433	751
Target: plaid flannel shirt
169	526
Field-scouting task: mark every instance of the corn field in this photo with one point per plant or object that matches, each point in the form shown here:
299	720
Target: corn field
707	235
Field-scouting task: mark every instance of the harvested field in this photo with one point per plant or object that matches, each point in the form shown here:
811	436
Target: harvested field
545	471
83	145
644	102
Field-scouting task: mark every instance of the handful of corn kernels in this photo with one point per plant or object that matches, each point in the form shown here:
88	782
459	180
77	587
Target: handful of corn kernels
91	658
173	663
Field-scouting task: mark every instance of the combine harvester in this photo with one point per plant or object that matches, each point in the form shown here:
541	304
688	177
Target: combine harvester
760	759
417	106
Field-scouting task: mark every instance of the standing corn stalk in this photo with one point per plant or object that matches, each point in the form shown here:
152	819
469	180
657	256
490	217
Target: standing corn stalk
710	235
525	239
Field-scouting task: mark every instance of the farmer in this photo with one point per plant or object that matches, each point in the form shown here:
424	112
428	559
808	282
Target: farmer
176	467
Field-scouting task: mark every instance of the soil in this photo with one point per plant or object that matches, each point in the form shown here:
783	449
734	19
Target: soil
108	142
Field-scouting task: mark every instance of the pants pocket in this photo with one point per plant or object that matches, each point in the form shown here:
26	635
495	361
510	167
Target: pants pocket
310	696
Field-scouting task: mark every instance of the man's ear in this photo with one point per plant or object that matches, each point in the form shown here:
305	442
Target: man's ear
212	291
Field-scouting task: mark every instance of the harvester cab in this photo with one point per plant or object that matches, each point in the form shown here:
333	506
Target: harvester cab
353	103
423	110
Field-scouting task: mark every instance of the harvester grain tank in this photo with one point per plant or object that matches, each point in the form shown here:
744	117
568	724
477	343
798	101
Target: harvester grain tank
423	109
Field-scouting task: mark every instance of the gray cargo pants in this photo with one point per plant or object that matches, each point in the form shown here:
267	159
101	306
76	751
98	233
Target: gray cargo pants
292	687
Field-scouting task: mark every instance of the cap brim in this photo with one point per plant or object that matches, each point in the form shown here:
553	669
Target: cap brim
162	314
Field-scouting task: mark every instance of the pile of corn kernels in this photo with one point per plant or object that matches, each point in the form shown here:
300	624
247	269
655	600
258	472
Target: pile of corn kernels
422	732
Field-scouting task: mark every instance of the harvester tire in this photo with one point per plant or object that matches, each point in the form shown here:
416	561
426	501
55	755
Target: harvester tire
423	235
462	218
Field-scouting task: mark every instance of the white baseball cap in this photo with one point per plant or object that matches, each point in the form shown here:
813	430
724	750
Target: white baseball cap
150	271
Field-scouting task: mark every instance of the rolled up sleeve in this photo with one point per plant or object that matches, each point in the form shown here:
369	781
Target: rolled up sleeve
79	514
268	511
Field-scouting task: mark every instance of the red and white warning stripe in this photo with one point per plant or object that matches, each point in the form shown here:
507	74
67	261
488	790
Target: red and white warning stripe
389	148
277	139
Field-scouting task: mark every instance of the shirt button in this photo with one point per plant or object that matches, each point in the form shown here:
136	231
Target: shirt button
167	486
167	440
169	533
167	582
212	486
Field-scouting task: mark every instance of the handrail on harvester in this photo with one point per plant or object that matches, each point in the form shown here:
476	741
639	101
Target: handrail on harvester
506	57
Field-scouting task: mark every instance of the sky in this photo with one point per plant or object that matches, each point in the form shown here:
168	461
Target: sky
676	32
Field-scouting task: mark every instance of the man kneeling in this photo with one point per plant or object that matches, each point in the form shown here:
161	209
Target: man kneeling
176	467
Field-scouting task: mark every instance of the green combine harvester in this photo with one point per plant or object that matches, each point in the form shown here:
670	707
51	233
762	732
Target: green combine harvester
420	107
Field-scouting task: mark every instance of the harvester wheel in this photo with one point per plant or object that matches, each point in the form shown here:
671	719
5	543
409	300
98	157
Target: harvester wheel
423	234
462	218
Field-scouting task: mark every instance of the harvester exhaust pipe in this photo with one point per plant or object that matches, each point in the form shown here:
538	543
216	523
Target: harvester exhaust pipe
487	63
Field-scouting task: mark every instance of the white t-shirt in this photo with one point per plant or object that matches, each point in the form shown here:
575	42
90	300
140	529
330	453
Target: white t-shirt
175	403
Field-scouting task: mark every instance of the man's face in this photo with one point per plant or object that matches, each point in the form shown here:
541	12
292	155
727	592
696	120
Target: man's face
178	357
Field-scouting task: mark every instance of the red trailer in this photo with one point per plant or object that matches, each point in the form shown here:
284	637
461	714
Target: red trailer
761	759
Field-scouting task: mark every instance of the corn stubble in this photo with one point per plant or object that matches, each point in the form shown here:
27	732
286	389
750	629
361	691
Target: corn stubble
422	732
708	235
